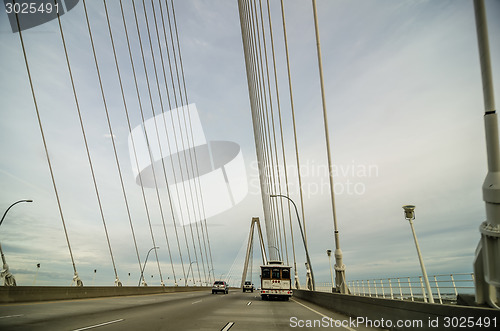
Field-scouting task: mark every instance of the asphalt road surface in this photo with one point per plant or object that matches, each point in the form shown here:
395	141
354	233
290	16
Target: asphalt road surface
172	311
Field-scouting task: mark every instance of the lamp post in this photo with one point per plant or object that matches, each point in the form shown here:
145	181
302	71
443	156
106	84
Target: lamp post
9	279
410	216
144	267
329	253
37	268
1	221
277	250
311	285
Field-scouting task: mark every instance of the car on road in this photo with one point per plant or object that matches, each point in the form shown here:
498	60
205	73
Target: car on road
220	286
248	286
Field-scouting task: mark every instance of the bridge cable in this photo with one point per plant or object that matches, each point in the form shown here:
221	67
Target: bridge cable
243	9
294	134
281	134
192	138
256	91
130	128
184	147
167	137
261	132
196	168
256	100
325	120
266	123
156	124
272	139
145	136
128	119
86	146
179	159
282	234
191	150
75	277
194	245
178	154
254	55
265	129
109	122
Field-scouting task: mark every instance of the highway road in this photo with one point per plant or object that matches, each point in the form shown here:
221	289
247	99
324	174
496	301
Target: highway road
172	311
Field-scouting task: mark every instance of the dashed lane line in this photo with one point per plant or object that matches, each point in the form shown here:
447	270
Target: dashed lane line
98	325
317	312
227	326
9	316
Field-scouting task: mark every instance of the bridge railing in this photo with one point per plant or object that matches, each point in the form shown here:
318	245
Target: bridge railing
445	288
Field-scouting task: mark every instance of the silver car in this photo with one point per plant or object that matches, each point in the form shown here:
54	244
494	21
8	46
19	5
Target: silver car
220	286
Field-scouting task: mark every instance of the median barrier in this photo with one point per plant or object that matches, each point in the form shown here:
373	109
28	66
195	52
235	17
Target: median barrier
12	294
388	313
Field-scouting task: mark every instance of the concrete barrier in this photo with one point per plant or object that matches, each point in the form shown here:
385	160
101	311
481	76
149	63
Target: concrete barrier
11	294
404	315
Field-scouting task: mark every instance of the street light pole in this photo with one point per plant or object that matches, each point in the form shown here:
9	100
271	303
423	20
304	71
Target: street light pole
12	205
144	267
410	216
310	285
9	279
37	268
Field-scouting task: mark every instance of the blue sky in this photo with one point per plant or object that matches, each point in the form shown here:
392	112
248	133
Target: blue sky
405	107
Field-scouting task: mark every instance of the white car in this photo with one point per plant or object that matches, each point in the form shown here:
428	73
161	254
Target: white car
248	286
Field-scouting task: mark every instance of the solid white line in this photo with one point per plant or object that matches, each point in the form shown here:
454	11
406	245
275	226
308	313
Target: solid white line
11	316
195	302
228	326
98	325
317	312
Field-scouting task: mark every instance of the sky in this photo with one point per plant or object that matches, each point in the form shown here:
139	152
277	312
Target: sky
405	115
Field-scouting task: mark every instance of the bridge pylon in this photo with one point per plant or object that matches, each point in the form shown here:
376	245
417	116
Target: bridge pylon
255	220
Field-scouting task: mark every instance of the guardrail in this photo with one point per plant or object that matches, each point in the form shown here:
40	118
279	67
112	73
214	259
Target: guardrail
445	287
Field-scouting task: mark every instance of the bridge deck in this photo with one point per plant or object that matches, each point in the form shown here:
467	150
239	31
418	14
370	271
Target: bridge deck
172	311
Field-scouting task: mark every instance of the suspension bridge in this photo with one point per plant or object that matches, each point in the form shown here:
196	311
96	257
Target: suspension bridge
123	184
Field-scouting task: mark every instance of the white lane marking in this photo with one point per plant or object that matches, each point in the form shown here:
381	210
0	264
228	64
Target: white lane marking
10	316
98	325
317	312
249	303
228	326
195	302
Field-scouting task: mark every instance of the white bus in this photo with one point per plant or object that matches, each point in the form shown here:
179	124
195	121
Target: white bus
275	281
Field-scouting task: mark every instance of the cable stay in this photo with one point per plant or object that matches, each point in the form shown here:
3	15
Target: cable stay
76	278
263	97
